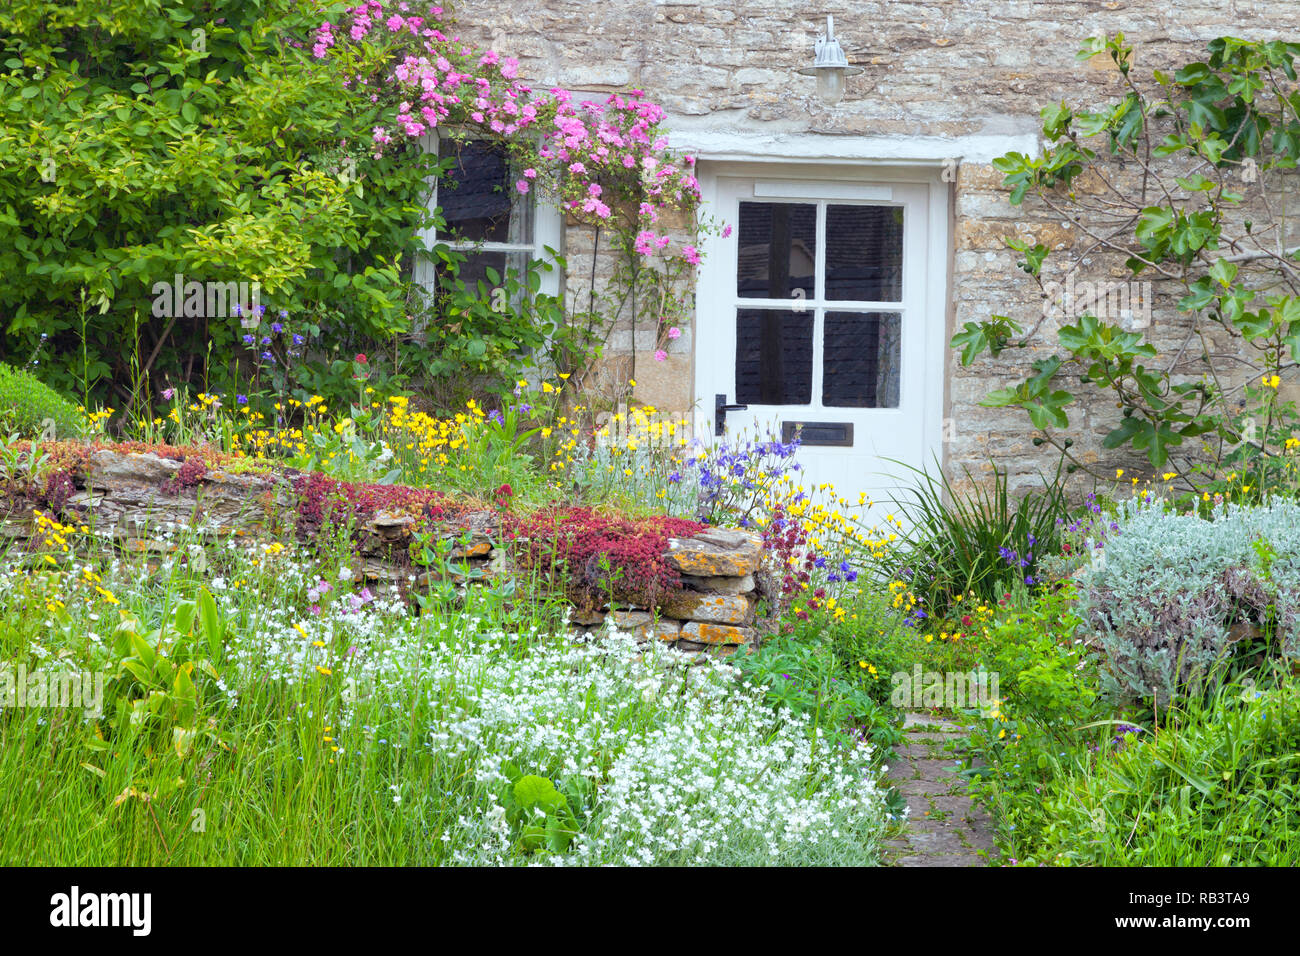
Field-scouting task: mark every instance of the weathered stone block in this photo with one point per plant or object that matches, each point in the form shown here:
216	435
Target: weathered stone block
719	585
705	633
664	629
716	552
715	608
626	620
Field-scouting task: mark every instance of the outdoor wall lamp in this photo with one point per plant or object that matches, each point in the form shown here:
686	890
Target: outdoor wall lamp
830	67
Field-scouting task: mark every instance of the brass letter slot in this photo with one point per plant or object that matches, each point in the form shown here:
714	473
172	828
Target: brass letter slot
819	433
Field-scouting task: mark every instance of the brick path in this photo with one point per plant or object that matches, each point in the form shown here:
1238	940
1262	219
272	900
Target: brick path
944	828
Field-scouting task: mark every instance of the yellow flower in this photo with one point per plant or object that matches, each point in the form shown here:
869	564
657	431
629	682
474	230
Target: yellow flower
1119	472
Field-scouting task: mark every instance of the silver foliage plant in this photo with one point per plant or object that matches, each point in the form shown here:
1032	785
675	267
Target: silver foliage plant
1171	595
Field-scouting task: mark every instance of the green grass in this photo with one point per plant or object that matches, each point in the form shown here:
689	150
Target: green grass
243	696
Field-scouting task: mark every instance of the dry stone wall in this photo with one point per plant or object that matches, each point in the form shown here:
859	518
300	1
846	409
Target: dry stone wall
138	503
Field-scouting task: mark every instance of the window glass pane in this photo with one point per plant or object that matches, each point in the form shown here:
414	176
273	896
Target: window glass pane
474	268
864	253
774	357
778	249
478	198
861	356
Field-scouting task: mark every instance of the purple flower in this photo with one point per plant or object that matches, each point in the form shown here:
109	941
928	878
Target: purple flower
277	328
241	399
248	340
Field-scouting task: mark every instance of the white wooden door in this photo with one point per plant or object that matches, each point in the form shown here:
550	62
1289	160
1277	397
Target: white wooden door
823	310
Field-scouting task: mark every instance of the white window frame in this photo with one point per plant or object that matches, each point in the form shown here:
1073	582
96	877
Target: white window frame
548	232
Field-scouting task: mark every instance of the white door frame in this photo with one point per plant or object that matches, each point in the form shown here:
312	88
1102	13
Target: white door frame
711	335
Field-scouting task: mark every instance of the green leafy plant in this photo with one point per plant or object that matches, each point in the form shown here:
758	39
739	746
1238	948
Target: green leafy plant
1206	142
235	157
802	671
155	692
540	814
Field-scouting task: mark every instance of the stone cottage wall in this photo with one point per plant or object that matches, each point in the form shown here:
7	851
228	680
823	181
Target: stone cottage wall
971	73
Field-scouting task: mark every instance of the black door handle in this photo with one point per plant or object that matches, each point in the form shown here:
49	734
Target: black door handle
720	409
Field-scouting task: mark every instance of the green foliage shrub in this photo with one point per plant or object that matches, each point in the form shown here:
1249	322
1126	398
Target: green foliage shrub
180	138
1175	598
1210	136
26	403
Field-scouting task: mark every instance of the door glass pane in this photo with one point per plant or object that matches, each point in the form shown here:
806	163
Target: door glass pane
864	253
778	249
478	199
862	352
774	357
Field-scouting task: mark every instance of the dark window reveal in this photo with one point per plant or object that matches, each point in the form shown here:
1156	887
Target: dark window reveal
774	357
778	250
864	253
476	196
860	360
